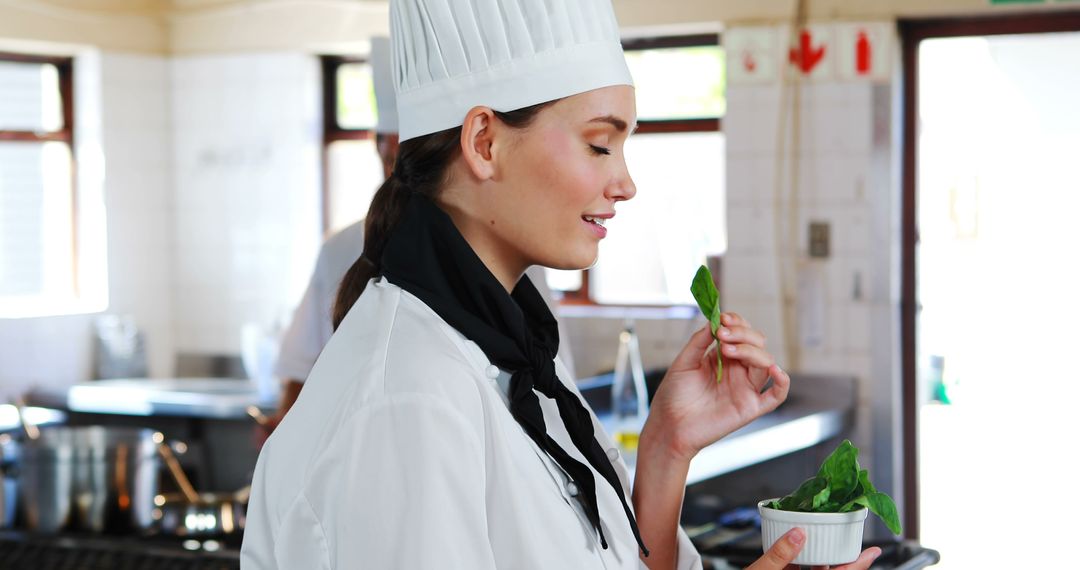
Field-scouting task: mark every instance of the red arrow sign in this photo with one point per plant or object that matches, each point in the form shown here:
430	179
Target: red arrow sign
806	57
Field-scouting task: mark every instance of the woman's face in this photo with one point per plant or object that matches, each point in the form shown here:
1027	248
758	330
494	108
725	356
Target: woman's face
558	180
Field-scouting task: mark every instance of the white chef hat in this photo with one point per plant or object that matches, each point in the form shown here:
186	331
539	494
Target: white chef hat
452	55
381	74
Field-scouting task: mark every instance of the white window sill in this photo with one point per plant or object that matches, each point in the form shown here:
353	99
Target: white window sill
39	307
684	312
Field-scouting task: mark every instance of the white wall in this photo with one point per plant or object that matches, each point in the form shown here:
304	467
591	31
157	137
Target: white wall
247	144
139	197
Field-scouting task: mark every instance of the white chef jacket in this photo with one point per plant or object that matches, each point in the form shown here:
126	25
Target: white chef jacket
311	323
401	453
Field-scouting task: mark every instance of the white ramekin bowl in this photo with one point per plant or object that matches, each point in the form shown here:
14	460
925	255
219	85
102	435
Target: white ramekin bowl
831	538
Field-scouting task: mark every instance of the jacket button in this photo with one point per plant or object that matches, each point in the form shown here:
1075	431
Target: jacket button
492	371
572	489
613	453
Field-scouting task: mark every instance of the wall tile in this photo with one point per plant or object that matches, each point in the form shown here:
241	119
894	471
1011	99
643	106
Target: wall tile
750	231
750	278
860	331
751	178
838	333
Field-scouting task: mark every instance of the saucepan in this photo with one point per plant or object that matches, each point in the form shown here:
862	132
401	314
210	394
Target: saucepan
193	514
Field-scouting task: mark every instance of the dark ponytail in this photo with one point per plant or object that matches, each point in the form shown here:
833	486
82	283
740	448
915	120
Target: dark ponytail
422	166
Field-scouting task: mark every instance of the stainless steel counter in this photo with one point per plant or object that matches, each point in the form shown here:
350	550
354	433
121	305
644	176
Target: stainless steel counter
211	398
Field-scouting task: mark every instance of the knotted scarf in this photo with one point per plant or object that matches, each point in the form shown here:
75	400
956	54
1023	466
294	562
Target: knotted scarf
427	256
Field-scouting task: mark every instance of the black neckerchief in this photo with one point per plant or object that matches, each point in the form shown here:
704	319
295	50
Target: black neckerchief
427	256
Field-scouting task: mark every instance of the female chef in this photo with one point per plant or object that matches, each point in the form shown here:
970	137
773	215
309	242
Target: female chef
437	428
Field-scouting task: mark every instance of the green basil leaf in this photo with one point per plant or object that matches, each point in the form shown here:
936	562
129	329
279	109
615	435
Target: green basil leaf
708	300
707	297
864	482
853	505
821	499
803	497
883	506
841	468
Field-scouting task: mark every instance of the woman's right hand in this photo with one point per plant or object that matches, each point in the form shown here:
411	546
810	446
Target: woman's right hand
784	551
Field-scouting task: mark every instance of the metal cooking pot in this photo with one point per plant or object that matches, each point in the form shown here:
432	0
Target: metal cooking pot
96	478
191	514
45	480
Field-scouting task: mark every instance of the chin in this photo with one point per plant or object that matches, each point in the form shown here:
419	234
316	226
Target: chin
568	257
576	262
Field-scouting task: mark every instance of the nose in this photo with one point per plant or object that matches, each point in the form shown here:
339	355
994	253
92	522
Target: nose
622	186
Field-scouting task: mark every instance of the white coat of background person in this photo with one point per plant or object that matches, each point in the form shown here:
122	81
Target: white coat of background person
437	428
310	328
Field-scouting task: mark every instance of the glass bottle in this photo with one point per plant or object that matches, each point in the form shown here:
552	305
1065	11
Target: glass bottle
629	398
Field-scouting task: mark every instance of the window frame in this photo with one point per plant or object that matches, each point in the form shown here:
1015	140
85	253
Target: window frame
66	134
332	129
583	295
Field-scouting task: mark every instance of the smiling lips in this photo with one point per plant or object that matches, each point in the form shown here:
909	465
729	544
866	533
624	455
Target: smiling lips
596	223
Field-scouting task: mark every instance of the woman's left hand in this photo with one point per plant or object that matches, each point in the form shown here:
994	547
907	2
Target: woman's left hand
691	410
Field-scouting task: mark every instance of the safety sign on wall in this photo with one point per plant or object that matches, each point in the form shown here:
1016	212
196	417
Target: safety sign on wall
834	51
752	55
863	50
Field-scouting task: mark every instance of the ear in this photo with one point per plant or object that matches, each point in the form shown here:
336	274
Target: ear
478	142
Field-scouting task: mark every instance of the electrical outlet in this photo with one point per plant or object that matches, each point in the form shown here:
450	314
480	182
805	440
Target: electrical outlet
819	239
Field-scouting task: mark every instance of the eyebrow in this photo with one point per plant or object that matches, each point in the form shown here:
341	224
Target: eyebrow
619	124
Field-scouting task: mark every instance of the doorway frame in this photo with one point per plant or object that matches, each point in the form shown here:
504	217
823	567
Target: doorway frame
912	33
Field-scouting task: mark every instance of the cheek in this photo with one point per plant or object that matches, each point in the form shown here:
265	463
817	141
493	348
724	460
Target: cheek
566	173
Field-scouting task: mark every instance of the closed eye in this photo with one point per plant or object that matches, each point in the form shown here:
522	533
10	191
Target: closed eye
599	150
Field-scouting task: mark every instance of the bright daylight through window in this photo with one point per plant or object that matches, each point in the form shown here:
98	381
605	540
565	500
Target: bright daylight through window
37	230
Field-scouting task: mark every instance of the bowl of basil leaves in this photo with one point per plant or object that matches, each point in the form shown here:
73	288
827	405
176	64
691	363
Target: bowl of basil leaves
831	507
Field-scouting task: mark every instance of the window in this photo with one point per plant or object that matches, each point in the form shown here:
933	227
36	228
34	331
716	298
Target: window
37	189
352	166
677	161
